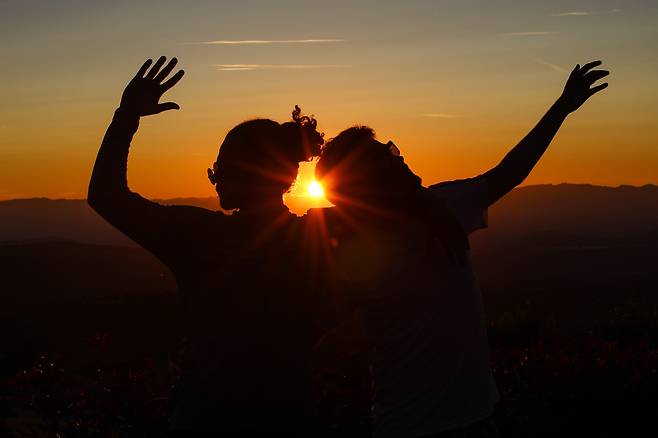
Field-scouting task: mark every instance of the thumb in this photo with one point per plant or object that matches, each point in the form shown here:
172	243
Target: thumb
166	106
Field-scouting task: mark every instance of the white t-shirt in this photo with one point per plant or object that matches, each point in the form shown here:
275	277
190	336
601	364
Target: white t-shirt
424	318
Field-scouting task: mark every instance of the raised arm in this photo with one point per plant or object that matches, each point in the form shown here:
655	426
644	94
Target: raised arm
108	188
166	231
518	163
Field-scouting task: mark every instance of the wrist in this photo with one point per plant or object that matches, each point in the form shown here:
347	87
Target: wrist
562	106
126	118
124	111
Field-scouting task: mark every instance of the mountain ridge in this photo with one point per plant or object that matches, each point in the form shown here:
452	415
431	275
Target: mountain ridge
585	210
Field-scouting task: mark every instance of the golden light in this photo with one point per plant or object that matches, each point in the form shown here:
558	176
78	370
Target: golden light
315	189
306	192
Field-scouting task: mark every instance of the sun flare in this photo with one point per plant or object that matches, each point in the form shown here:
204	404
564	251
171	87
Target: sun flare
315	189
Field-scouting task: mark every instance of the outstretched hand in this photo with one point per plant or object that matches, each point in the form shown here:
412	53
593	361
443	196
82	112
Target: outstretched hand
144	91
579	85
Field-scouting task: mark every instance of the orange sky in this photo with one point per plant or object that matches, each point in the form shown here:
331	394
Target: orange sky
455	86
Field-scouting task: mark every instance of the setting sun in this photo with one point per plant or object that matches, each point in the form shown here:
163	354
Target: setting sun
306	192
315	189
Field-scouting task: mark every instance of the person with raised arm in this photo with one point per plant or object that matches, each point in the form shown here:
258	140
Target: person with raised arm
519	162
402	257
241	276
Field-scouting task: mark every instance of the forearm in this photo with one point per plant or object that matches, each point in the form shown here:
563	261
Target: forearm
519	162
109	178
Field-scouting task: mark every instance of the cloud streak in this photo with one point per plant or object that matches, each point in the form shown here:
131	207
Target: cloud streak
553	67
571	14
252	67
534	33
584	13
264	42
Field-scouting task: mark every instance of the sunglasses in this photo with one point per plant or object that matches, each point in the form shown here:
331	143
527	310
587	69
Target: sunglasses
393	149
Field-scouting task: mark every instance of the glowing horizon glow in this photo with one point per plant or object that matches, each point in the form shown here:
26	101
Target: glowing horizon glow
306	192
457	84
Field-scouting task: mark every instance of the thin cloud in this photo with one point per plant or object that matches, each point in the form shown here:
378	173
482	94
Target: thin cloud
553	67
251	67
571	14
522	34
253	42
442	115
584	13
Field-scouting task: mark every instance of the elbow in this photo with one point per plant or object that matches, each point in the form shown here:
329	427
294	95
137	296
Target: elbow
98	199
105	199
514	183
512	179
93	193
103	205
94	200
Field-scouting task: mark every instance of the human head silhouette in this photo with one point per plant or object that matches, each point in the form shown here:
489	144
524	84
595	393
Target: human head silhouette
357	170
259	159
360	174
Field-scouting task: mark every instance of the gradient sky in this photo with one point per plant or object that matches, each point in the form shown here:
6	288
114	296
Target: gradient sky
454	84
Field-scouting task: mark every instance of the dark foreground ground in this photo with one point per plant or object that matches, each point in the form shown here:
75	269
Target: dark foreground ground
573	336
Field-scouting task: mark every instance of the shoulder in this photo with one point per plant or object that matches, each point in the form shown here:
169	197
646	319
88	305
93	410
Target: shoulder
198	215
459	187
467	199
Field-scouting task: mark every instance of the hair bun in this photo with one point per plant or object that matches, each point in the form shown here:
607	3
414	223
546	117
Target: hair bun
307	138
303	120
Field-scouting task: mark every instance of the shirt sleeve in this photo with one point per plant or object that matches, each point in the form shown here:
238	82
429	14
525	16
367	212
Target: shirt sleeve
467	199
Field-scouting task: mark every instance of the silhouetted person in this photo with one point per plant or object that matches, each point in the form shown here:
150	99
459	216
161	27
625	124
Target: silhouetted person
402	255
240	276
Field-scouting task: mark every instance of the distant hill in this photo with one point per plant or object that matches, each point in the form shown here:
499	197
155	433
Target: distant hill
577	209
580	211
591	244
43	219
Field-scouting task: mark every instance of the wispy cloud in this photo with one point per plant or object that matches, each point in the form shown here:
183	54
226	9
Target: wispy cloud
553	67
585	13
571	14
442	115
534	33
253	42
250	67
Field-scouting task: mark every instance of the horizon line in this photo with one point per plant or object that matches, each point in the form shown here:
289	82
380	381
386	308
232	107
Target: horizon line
158	198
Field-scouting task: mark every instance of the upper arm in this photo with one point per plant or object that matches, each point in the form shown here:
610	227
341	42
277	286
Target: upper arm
170	232
499	184
468	199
